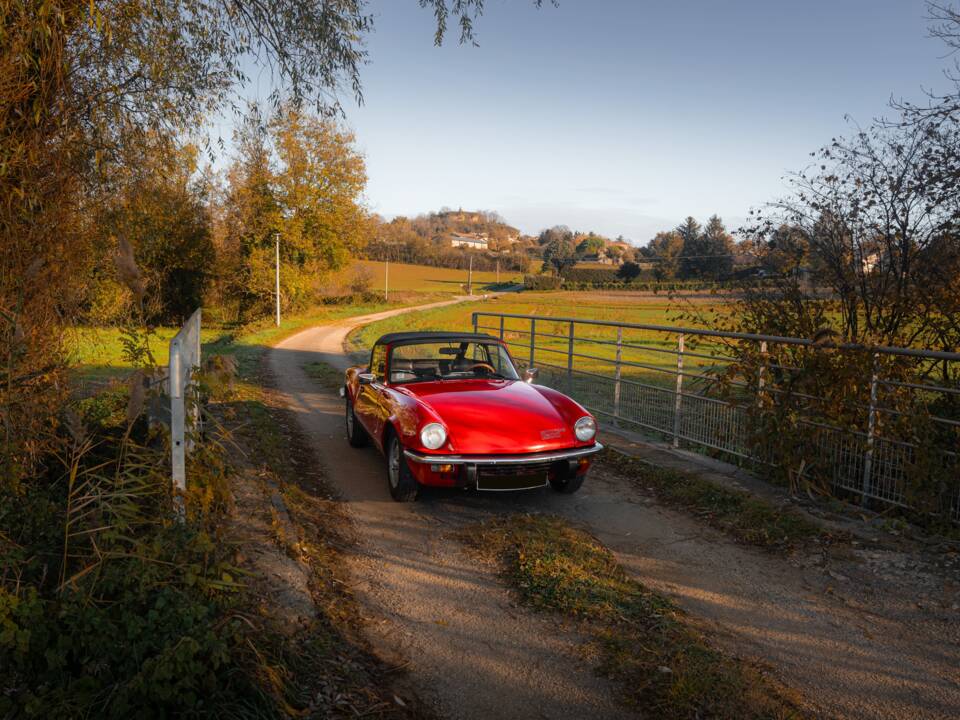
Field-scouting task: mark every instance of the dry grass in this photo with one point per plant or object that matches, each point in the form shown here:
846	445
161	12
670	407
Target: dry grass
745	517
665	668
426	279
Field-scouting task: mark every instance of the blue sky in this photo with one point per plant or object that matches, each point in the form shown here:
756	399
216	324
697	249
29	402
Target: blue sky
625	116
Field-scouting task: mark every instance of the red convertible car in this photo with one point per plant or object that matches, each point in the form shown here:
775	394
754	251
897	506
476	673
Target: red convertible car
450	409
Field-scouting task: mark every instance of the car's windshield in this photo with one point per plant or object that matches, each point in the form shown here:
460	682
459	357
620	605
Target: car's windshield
450	360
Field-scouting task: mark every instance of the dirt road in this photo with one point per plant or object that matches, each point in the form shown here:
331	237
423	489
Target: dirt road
848	633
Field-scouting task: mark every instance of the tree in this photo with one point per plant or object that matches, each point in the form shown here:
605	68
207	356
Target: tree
251	219
559	252
665	249
590	245
163	214
319	184
689	232
717	247
786	251
557	232
882	219
298	176
628	271
945	108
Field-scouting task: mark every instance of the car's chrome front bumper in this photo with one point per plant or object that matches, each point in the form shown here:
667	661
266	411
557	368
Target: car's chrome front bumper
528	458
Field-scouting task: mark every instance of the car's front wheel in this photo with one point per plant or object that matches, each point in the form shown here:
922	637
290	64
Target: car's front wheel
356	435
567	485
403	485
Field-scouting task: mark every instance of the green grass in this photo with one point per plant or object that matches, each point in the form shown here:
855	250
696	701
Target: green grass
665	668
747	518
97	352
422	278
617	307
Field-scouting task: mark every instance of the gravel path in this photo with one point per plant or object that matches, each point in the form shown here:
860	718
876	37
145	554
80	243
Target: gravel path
847	632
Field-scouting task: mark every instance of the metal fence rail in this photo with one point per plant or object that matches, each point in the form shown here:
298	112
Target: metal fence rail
663	379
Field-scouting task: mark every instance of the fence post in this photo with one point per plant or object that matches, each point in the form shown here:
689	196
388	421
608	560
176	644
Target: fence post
678	396
570	360
616	378
501	327
761	371
475	323
871	432
533	335
177	427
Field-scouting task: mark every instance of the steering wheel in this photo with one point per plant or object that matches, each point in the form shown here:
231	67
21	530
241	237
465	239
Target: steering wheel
483	366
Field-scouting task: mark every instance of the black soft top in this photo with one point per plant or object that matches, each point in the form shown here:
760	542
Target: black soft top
412	338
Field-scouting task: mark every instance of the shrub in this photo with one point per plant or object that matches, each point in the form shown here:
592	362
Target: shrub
107	607
590	275
541	282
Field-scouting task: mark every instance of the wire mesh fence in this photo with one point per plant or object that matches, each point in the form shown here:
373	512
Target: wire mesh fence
893	440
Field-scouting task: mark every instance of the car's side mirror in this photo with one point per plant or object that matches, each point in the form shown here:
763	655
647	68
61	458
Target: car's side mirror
530	374
365	378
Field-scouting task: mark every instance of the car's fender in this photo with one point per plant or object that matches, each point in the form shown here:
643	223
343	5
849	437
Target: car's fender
408	415
570	410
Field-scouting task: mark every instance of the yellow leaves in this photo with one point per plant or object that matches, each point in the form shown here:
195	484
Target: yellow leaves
127	268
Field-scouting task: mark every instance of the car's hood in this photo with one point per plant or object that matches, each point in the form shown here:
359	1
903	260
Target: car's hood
496	416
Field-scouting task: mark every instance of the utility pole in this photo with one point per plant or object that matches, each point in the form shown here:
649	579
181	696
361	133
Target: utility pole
498	271
386	280
278	277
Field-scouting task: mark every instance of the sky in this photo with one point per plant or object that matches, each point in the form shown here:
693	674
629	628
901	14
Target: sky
625	116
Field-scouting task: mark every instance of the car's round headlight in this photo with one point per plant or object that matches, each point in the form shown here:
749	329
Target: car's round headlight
433	436
585	428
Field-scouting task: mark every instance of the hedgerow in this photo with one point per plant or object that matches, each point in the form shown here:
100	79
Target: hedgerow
109	606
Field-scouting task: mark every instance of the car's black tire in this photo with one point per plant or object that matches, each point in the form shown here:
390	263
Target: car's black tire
569	485
400	480
356	435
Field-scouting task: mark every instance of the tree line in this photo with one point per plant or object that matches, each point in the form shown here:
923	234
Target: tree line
205	238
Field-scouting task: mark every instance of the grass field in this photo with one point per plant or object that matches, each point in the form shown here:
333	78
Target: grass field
657	358
97	352
421	278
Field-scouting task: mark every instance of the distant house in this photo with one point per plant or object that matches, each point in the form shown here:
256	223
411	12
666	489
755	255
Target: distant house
869	260
600	258
473	242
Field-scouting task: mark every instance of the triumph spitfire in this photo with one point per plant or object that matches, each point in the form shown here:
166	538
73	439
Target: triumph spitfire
450	409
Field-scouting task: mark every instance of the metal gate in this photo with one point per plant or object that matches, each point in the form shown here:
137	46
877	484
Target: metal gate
658	378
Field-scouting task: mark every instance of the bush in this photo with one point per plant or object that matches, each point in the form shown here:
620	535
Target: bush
590	275
541	282
107	608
